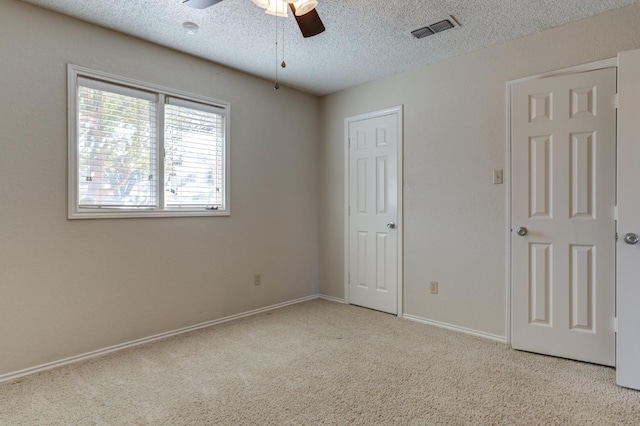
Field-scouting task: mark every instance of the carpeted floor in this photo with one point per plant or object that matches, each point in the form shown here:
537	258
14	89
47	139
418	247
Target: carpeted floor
320	362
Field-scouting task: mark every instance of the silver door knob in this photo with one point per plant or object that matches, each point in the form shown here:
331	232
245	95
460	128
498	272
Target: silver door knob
522	231
631	238
391	225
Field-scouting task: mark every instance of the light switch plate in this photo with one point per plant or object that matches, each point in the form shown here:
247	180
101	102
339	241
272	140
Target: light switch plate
497	176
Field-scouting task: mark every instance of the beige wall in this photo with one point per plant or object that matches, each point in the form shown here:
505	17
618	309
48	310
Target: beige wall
69	287
454	136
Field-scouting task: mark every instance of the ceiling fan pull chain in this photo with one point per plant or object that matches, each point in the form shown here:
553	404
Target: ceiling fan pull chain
283	64
276	86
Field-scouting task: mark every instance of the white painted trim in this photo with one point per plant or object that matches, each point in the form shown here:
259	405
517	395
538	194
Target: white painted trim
399	112
482	334
400	167
332	299
100	352
593	66
507	180
346	210
72	135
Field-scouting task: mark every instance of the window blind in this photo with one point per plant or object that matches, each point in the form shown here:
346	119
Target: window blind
194	155
117	150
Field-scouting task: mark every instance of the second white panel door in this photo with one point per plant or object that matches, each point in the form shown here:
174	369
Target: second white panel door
563	199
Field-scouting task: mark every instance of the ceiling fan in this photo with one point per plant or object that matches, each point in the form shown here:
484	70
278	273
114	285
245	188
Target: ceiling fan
304	11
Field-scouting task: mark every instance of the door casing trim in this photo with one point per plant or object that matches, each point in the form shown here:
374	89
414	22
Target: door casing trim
592	66
398	110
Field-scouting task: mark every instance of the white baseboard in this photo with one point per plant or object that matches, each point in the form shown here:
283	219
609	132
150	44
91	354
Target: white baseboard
100	352
331	298
459	329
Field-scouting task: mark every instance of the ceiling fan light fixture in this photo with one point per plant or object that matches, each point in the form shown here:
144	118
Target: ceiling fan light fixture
261	3
303	7
277	8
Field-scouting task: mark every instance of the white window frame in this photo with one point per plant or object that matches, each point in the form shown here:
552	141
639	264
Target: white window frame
74	72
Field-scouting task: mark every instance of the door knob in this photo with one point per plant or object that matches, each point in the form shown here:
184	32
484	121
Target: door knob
522	231
391	225
631	238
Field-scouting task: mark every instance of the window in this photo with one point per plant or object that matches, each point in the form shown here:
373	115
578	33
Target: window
139	150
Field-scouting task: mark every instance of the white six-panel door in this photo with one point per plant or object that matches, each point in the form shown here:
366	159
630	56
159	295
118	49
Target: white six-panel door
628	292
563	197
373	211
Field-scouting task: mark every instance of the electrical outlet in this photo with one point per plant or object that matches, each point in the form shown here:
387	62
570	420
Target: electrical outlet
257	279
497	176
433	286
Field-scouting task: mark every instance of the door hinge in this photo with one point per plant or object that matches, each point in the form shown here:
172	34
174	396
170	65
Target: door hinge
616	101
615	324
349	211
615	212
615	237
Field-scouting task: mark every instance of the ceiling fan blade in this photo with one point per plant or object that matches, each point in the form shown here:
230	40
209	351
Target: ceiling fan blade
310	23
200	4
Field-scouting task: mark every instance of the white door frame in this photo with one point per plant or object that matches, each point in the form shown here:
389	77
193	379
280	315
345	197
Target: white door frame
606	63
393	110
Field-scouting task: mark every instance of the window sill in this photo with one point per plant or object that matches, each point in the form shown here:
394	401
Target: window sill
130	214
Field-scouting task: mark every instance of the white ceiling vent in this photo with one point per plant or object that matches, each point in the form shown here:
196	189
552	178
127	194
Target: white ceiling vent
438	27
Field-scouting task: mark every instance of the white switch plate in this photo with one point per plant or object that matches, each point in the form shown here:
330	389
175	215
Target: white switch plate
497	176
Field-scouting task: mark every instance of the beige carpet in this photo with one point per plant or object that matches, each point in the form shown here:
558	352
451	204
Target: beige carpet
321	363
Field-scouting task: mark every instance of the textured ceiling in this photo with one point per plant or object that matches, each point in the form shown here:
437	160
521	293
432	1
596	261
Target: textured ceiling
365	39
